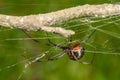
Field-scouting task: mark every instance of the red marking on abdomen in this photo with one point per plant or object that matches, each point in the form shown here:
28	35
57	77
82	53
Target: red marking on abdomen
76	48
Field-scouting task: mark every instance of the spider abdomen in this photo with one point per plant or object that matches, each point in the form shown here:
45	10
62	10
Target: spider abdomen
76	53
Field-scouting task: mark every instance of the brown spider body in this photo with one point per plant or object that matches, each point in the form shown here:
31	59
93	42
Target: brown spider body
75	53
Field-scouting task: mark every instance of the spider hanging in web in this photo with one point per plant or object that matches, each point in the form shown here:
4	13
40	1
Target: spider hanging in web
75	52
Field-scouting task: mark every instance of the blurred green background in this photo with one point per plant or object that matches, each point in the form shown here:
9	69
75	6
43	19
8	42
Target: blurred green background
105	67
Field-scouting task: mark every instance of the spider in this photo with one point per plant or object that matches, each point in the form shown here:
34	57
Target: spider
75	53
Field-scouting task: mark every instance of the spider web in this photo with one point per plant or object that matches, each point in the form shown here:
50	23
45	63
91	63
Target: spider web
104	40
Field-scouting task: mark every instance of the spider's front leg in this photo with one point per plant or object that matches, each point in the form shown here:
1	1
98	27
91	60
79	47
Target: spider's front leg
56	56
52	58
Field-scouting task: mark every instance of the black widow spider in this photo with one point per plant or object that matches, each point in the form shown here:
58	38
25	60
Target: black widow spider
74	53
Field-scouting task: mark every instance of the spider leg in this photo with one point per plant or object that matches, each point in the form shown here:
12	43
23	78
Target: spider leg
88	36
85	39
52	58
35	40
57	56
93	58
55	45
90	61
51	43
79	60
